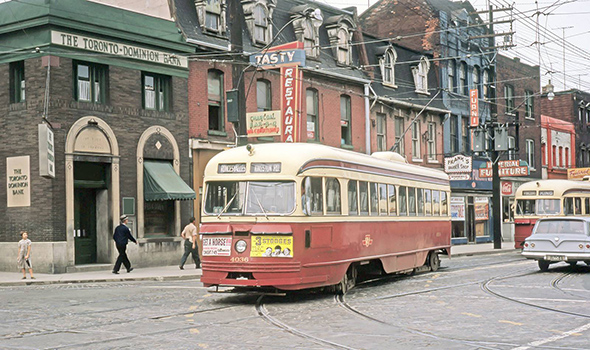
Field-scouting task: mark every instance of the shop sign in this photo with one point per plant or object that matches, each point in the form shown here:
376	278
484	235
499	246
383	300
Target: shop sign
459	177
46	151
18	182
290	92
577	173
272	246
217	246
506	168
117	49
458	164
275	59
457	208
265	123
474	108
506	188
481	206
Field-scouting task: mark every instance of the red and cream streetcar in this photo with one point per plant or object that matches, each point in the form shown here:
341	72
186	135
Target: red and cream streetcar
296	215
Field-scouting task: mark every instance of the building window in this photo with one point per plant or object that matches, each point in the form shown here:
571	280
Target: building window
554	156
476	80
263	95
307	31
528	104
381	136
17	82
486	84
465	134
451	79
463	79
260	24
388	66
431	141
343	47
511	152
416	140
399	131
587	115
567	157
211	15
453	134
530	153
509	98
345	120
560	157
544	154
420	73
91	82
580	114
156	91
215	97
312	114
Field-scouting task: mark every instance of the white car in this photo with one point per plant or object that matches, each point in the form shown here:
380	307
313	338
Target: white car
559	239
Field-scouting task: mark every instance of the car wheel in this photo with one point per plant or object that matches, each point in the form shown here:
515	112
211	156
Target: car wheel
572	263
544	265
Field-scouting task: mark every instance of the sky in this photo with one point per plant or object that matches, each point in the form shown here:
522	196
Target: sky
556	18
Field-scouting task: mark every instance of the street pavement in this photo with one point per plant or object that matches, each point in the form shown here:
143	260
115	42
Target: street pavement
168	273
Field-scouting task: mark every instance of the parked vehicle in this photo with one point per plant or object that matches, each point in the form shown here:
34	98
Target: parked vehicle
548	198
297	216
554	240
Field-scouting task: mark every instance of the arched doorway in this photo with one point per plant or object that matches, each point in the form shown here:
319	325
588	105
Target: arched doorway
92	191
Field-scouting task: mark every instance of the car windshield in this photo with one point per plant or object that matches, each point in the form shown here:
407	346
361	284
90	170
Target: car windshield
560	226
250	197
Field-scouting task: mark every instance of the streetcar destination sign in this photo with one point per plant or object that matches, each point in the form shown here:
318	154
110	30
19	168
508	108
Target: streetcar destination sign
238	168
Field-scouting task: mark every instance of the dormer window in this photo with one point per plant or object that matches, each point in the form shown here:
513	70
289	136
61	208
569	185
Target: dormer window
258	15
340	29
420	73
211	14
306	24
387	63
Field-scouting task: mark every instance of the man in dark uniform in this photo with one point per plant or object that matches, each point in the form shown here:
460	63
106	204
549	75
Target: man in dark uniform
122	236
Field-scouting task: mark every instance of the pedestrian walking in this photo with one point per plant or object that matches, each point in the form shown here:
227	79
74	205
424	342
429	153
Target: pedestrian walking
24	255
122	236
190	244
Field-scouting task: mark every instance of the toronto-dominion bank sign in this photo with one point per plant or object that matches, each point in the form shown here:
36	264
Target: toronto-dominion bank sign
117	49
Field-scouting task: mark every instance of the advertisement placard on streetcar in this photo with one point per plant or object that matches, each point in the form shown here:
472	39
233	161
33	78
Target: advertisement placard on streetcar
217	246
272	246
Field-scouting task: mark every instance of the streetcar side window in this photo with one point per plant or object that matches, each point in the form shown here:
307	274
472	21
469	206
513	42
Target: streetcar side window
420	199
586	206
435	203
412	201
428	202
313	196
444	204
374	196
382	199
568	206
392	200
364	198
577	206
403	201
333	205
352	198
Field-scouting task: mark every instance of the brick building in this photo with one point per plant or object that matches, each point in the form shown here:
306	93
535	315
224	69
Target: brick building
558	138
95	109
572	106
462	59
518	101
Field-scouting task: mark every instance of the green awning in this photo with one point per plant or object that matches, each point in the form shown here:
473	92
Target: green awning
162	183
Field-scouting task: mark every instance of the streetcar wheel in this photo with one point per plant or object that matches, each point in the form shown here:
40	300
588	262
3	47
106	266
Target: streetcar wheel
348	280
544	265
433	261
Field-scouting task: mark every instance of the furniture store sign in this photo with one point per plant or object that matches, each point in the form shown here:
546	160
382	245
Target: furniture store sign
117	49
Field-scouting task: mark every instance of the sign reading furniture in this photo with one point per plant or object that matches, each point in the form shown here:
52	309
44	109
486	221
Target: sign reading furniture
506	168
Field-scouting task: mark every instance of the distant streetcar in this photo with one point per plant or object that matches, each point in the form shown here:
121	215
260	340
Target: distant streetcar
297	216
547	198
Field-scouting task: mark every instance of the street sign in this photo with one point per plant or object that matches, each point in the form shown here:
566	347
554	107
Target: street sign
506	168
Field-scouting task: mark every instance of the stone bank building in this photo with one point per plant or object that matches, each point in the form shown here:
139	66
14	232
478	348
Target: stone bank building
93	111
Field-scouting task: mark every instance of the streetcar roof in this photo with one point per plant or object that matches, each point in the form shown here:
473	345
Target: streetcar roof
295	158
559	187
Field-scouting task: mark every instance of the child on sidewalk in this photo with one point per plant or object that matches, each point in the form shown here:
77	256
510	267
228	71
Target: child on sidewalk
24	255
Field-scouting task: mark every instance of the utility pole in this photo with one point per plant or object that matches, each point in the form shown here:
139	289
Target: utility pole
563	38
235	9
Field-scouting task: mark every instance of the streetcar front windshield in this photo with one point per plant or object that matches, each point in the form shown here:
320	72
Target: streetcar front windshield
250	198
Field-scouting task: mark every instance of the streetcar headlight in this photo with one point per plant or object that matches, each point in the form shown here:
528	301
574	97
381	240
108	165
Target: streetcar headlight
241	246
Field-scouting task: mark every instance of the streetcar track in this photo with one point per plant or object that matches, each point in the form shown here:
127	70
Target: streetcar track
486	287
262	312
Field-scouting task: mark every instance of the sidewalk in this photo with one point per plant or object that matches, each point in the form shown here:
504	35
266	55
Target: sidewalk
168	273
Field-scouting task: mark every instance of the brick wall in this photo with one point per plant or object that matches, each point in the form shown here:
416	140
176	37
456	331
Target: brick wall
45	218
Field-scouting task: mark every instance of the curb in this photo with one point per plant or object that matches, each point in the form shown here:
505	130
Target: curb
99	280
485	252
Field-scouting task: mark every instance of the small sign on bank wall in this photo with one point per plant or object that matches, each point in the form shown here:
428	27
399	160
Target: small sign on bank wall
18	182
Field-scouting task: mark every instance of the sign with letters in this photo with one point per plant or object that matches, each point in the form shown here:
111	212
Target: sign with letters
474	108
18	182
117	49
265	123
46	151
